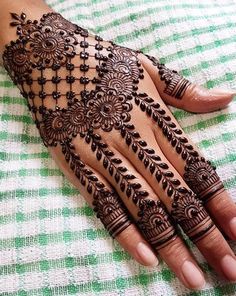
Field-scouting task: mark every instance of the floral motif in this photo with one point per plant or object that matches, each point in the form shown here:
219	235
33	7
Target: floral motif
76	119
24	27
48	47
155	223
116	83
188	211
108	111
17	59
53	128
202	178
111	211
123	61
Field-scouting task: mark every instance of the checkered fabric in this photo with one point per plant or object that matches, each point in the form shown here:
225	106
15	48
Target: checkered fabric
50	241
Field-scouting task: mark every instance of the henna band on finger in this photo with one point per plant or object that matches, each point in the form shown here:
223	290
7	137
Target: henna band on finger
202	178
176	85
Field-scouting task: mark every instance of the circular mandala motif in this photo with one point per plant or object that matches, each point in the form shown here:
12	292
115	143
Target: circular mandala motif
53	128
106	111
76	119
123	61
116	83
48	47
17	59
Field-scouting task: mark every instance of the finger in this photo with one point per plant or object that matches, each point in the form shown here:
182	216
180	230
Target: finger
179	92
106	203
183	205
146	208
200	176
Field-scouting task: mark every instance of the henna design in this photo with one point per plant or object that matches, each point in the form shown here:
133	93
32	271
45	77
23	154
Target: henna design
187	210
107	204
191	215
156	224
199	174
154	219
203	179
54	45
176	85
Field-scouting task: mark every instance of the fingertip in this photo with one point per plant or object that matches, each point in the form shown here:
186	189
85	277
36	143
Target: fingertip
202	100
133	242
146	256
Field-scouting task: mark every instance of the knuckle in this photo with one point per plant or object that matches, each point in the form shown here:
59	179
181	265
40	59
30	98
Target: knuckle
213	241
175	250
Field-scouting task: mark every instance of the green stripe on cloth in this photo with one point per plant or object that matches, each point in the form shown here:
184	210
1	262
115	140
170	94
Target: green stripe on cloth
49	243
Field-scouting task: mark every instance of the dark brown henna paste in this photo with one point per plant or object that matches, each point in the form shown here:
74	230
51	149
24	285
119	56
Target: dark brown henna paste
176	85
202	178
104	104
156	224
107	204
187	210
200	175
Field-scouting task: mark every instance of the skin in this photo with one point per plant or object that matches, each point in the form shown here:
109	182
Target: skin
221	208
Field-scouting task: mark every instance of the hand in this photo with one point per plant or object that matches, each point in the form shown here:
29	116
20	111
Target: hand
98	110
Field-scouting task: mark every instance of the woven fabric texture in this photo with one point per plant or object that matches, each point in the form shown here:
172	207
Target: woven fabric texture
51	243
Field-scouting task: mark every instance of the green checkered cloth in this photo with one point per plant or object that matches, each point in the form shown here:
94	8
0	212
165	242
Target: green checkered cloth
50	241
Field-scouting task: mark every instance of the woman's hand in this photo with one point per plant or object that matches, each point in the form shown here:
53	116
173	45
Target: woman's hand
98	110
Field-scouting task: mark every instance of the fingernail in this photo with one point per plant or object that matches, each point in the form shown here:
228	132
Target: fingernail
193	276
146	255
232	226
228	265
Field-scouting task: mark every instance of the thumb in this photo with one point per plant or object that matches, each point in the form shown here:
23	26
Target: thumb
179	92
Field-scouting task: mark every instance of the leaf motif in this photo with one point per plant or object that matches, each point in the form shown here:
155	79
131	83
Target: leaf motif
135	134
136	185
141	155
134	147
99	155
23	16
164	183
109	153
152	168
90	188
142	143
14	24
116	160
129	191
122	186
128	139
129	177
105	163
93	146
170	191
142	106
111	170
158	176
15	16
93	178
117	177
163	165
146	162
